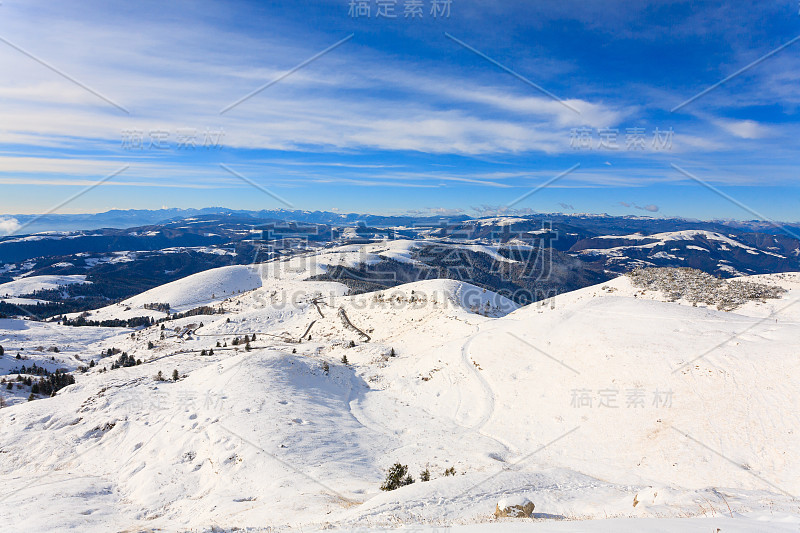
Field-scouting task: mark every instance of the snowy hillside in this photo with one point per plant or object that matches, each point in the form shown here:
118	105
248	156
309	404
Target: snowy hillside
603	404
10	292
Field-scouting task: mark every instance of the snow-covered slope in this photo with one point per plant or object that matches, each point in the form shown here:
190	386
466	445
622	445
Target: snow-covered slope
30	284
608	402
204	288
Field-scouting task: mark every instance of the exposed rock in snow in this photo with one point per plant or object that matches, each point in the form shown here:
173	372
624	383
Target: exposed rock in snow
514	507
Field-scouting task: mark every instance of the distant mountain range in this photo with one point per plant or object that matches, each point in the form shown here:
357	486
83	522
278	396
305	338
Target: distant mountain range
551	253
600	223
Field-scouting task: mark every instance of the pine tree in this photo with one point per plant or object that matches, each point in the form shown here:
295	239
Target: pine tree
344	360
425	475
159	376
253	337
175	375
150	345
397	477
450	472
211	351
391	353
31	398
247	347
2	351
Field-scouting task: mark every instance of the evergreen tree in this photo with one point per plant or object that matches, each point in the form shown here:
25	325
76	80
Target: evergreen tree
175	375
397	477
425	475
2	351
344	360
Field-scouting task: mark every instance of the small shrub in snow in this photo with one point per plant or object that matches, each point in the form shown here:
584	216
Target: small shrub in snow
425	475
326	367
397	477
175	375
159	376
344	360
450	472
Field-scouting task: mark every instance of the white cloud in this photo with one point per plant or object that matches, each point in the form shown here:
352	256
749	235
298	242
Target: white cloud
9	226
744	129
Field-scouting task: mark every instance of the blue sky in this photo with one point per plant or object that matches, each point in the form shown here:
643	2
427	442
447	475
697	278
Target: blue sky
406	114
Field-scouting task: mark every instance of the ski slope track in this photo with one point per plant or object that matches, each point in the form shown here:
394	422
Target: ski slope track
610	408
